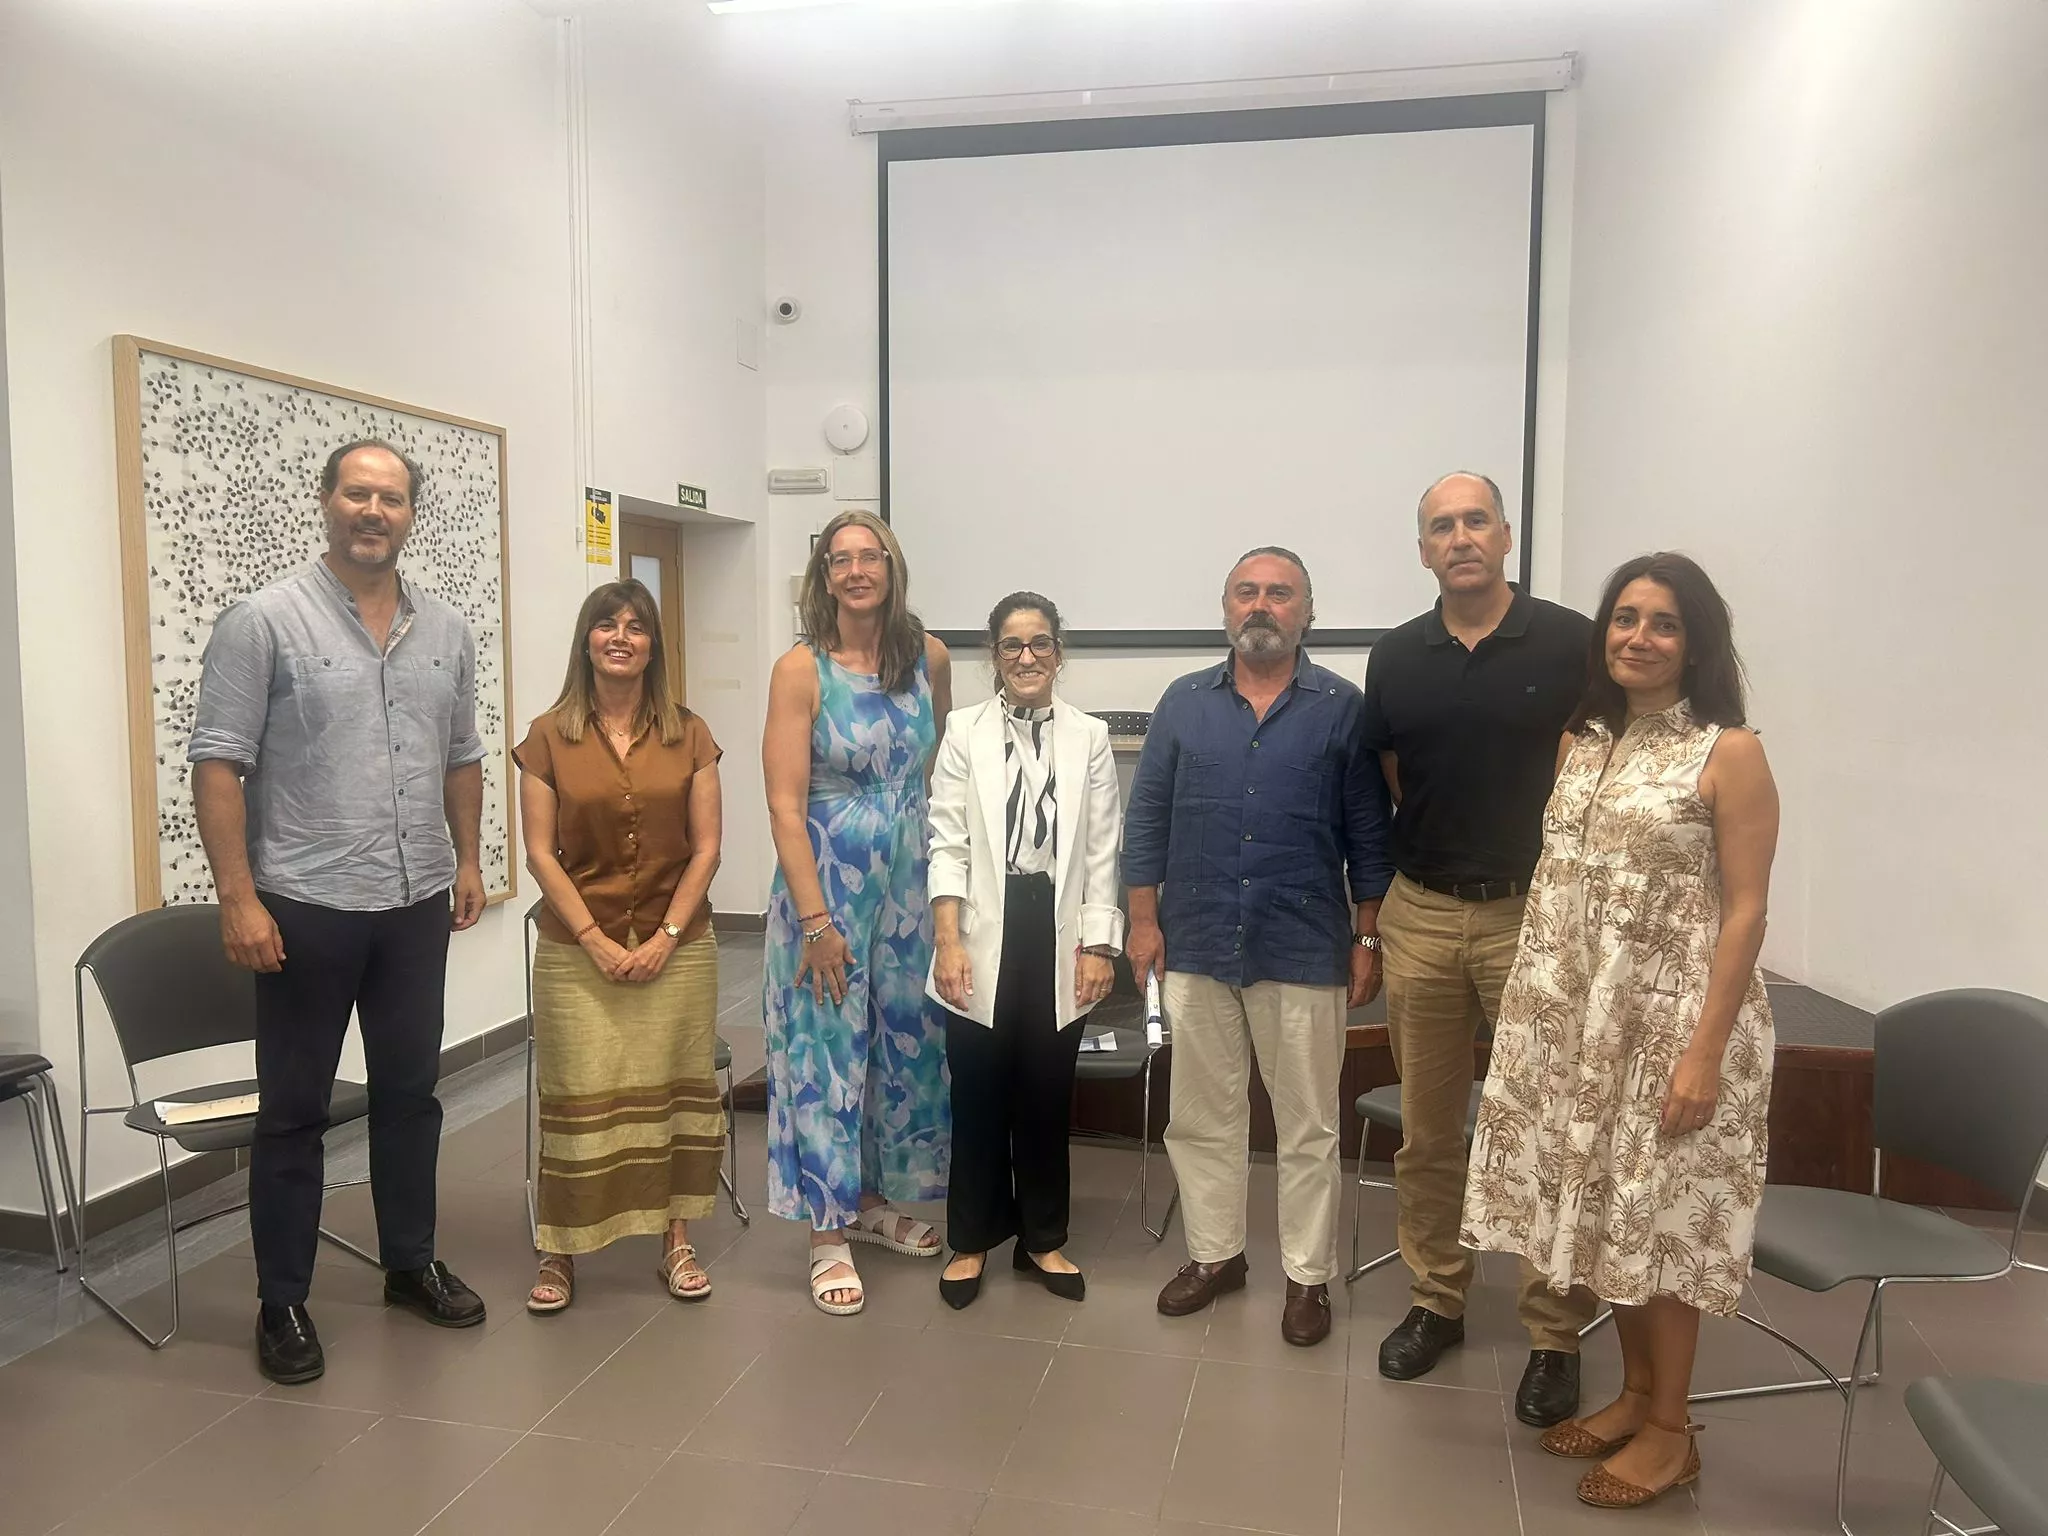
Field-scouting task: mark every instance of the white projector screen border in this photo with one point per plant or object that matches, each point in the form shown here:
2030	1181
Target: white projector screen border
1490	111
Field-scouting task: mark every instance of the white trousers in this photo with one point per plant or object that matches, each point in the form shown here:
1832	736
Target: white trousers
1297	1033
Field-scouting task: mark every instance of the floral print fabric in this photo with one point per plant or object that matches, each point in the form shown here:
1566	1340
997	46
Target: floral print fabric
858	1094
1569	1164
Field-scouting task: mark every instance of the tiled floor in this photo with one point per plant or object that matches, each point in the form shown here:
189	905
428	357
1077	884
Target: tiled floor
752	1412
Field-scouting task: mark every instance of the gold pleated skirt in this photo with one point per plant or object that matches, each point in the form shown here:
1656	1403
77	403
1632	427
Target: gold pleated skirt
632	1130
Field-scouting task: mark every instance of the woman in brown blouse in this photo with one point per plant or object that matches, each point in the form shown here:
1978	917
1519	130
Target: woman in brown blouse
621	803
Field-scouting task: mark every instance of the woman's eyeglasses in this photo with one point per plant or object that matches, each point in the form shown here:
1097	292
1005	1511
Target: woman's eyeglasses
1041	646
866	559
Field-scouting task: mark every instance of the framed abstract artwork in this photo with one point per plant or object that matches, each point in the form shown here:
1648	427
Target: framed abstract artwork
219	466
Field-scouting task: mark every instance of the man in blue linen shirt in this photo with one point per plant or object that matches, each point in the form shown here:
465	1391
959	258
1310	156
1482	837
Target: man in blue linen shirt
1254	798
338	779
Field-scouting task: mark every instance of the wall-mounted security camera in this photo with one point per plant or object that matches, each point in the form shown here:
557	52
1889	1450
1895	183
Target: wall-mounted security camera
787	311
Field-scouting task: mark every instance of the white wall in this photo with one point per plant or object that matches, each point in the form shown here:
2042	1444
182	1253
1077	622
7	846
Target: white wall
371	193
1809	332
676	259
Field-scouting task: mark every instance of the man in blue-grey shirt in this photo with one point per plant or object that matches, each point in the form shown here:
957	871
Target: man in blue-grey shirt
338	779
1255	850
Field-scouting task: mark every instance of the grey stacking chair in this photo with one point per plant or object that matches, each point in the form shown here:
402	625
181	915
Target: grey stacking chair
1987	1437
25	1075
1123	1017
1961	1082
169	989
721	1064
1382	1106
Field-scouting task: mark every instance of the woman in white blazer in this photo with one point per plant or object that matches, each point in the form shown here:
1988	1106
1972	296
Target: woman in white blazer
1026	820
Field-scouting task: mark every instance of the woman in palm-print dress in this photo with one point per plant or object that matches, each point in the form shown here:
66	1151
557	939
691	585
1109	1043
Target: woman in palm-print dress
1621	1139
859	1113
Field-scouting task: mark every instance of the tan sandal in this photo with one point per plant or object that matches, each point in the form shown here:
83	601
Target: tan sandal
556	1286
679	1266
1603	1490
1574	1440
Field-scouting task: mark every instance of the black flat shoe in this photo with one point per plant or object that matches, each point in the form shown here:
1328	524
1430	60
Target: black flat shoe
1068	1287
1414	1348
435	1294
287	1345
1549	1393
960	1294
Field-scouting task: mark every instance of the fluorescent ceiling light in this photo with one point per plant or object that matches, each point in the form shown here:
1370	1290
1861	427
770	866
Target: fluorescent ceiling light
741	7
750	7
1218	95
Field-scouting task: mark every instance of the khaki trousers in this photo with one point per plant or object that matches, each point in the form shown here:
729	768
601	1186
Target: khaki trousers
1447	962
1298	1035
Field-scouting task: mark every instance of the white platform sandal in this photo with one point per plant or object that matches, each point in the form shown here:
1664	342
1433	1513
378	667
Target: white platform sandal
823	1259
919	1239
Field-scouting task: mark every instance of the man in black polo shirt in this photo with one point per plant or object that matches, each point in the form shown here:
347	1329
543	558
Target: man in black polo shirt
1465	706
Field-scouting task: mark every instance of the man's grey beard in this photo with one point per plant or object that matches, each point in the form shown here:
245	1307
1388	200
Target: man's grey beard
1255	639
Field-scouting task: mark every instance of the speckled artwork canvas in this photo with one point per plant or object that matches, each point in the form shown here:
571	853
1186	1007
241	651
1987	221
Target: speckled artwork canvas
226	462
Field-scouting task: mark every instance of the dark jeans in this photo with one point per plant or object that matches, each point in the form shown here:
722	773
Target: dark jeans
391	968
1013	1091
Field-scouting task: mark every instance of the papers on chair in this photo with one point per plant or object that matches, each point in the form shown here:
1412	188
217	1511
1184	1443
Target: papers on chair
1105	1041
199	1111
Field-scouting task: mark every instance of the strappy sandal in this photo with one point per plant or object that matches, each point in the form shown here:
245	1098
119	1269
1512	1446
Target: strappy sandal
1603	1490
678	1265
916	1239
824	1258
556	1286
1572	1439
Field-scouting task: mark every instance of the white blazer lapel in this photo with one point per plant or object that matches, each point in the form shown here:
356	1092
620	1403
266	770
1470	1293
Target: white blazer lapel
985	748
1070	778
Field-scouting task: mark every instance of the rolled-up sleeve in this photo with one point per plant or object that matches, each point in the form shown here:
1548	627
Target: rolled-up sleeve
1148	820
234	689
465	746
1368	815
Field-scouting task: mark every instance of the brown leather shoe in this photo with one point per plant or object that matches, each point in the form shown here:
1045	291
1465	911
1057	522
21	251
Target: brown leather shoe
1199	1284
1306	1318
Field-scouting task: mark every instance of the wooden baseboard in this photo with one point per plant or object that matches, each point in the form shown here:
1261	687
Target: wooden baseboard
739	922
29	1231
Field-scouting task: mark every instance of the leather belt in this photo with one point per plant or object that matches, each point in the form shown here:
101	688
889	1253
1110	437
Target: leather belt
1474	890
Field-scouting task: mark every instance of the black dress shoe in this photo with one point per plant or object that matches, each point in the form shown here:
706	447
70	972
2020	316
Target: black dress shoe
435	1294
960	1294
1414	1348
287	1345
1549	1393
1071	1287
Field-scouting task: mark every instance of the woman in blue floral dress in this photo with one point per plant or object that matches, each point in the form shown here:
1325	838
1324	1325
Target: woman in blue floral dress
858	1098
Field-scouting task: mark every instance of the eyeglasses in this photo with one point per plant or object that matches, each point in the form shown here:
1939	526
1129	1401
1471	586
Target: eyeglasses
867	559
1041	646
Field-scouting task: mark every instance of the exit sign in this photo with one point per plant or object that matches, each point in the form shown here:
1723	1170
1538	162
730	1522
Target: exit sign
692	497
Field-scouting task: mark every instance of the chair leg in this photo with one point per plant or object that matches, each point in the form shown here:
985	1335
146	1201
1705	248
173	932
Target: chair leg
729	1175
72	1206
31	1103
163	1164
1605	1317
1158	1233
1357	1270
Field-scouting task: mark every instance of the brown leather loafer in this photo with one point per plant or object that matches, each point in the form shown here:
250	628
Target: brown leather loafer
1306	1318
1199	1284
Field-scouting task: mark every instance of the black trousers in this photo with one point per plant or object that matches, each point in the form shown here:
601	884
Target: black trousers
391	969
1013	1091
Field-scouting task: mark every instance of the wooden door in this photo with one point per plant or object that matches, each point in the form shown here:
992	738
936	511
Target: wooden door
653	556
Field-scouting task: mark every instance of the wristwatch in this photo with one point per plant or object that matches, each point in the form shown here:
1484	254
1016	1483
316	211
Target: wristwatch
672	931
1369	941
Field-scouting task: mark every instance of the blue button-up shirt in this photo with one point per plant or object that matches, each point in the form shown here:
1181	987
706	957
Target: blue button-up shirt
1250	827
345	748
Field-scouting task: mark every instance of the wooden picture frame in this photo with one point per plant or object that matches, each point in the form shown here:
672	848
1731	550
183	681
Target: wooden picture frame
217	464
